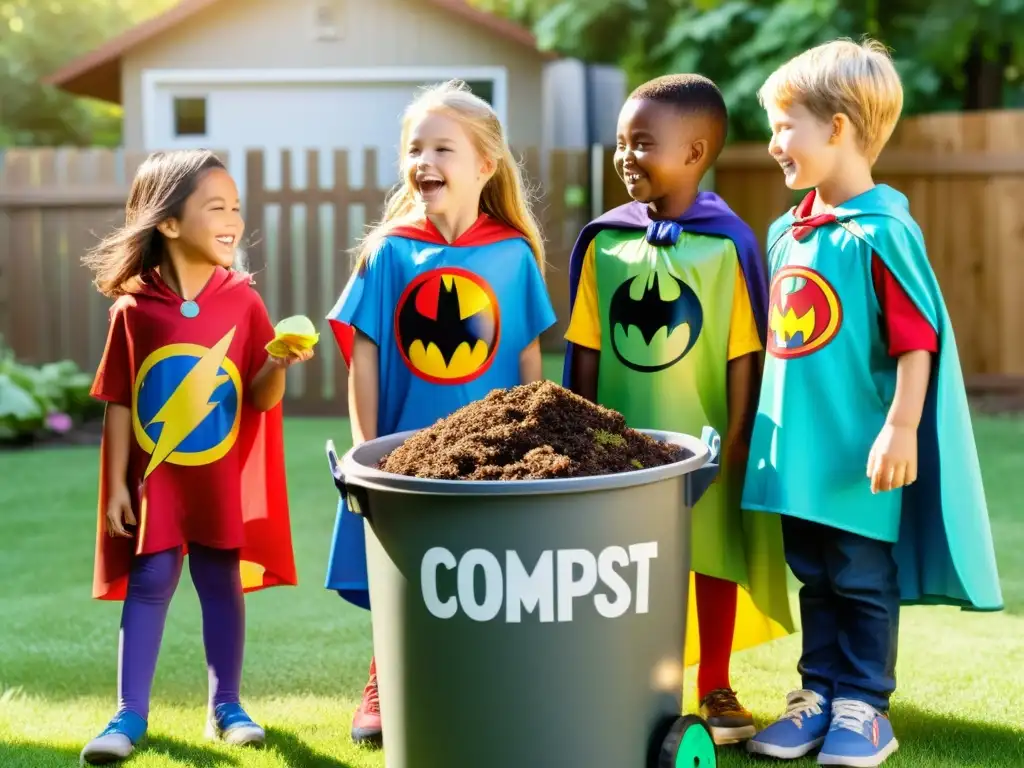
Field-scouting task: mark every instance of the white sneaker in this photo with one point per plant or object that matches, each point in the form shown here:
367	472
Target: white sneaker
230	724
116	742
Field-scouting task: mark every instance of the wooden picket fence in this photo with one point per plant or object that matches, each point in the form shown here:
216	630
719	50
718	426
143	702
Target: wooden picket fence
963	175
56	203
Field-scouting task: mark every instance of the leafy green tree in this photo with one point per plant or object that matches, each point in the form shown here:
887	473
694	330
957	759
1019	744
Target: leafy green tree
958	54
36	38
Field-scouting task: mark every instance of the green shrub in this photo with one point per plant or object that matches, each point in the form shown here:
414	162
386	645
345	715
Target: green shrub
29	395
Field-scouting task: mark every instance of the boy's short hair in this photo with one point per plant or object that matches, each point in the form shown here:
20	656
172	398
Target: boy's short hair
858	80
694	94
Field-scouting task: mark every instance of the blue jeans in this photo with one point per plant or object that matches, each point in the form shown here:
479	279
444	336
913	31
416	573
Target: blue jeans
850	611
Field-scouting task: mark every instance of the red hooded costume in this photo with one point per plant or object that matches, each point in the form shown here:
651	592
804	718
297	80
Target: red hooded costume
204	466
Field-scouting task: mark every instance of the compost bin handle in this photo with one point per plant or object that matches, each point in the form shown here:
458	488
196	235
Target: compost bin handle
713	441
354	497
698	481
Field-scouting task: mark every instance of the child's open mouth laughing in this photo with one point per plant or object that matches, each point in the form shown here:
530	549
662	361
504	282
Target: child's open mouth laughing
430	185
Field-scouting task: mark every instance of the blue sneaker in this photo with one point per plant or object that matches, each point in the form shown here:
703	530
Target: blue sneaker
860	736
800	731
229	723
117	741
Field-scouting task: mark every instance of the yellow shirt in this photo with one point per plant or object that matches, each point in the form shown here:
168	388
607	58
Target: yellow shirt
585	322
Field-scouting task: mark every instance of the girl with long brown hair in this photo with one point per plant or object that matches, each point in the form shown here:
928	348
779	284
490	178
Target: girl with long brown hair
191	460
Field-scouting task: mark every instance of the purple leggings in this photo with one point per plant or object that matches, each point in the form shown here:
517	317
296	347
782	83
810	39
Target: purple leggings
151	583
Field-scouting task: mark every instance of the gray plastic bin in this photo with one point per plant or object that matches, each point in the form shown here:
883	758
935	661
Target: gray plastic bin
531	624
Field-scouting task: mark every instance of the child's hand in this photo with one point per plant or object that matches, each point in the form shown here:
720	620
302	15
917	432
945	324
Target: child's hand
291	359
892	462
119	512
293	342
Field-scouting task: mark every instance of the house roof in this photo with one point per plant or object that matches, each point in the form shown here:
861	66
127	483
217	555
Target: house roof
97	74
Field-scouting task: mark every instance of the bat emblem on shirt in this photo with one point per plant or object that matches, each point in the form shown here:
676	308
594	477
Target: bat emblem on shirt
447	326
655	319
804	313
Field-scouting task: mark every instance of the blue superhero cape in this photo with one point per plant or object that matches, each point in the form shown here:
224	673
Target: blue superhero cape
419	298
945	552
709	215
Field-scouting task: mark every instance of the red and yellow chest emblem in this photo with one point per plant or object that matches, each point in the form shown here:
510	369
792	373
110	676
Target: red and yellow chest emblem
447	326
804	313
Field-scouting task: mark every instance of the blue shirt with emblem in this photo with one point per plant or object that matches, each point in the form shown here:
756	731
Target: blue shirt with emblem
450	321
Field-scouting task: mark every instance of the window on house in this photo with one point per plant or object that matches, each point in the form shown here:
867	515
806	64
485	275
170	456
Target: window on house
483	88
327	19
189	116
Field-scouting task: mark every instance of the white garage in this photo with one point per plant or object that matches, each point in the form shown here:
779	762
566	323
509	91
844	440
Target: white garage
297	109
297	74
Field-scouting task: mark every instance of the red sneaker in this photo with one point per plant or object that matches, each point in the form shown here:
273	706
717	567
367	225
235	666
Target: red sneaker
366	722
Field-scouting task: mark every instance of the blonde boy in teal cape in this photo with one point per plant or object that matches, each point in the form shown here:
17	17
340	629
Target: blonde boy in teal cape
863	439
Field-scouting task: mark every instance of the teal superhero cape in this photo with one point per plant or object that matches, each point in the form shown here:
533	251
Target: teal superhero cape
944	550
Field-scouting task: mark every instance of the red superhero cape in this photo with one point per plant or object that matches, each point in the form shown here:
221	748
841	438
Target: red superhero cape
204	465
484	231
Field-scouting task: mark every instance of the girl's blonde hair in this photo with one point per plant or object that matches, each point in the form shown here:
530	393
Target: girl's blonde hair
855	79
163	183
504	197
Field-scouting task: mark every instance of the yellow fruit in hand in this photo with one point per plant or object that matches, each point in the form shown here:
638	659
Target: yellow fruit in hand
297	325
293	335
278	349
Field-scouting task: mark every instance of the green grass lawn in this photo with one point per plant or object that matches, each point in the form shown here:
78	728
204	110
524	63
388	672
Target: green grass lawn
960	675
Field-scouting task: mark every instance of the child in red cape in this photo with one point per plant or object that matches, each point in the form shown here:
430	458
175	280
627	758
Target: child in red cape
192	460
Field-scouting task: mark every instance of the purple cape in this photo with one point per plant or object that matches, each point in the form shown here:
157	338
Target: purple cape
709	215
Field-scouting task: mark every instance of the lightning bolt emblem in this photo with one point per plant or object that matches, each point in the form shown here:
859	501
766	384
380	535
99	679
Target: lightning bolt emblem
789	325
189	404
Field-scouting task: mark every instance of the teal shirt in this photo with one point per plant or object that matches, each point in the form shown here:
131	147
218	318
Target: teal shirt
828	384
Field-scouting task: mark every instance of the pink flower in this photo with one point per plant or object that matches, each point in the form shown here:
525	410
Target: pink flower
58	422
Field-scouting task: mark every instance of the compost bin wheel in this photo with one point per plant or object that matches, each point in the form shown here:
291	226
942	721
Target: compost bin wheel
688	745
